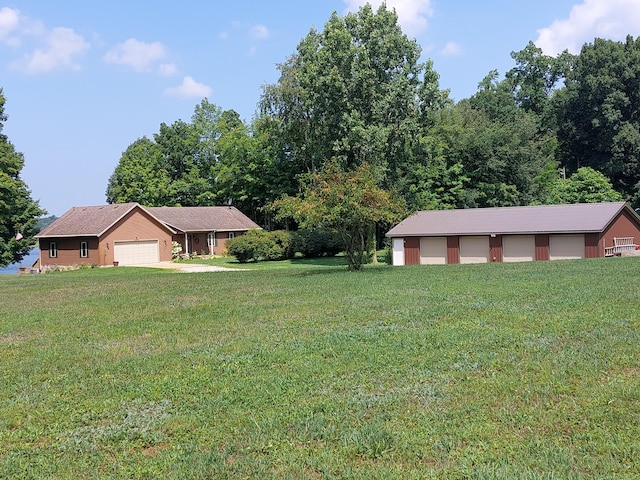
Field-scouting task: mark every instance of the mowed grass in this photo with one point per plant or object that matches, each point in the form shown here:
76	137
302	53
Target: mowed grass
481	371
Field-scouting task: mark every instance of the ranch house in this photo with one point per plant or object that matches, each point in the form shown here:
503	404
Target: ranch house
129	234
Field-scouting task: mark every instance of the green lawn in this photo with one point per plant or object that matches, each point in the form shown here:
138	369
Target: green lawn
459	371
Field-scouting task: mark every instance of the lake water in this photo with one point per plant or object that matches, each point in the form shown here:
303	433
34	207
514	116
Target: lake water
27	261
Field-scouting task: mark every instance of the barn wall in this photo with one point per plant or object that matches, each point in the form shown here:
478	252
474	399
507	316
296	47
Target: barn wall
412	250
624	225
592	247
495	248
453	249
542	247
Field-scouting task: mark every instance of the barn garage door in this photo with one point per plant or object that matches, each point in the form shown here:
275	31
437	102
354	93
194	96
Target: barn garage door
518	248
474	249
433	250
566	247
136	253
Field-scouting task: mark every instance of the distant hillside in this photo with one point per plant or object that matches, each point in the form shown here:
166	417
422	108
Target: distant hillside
45	221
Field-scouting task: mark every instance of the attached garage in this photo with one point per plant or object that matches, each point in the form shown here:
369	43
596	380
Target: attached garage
566	247
433	250
136	253
474	249
518	248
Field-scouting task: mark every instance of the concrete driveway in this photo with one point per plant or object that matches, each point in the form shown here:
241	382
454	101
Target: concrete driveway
189	267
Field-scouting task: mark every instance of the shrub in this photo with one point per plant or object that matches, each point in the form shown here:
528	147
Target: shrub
251	246
319	242
280	246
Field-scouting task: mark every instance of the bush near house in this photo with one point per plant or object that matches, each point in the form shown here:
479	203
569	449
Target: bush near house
282	244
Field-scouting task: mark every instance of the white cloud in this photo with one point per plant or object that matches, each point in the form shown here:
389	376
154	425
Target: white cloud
610	19
413	15
259	32
168	69
189	89
9	20
451	49
63	47
136	54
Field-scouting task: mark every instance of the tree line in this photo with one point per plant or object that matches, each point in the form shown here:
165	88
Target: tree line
356	93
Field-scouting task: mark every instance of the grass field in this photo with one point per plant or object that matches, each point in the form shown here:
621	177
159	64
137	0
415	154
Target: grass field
461	371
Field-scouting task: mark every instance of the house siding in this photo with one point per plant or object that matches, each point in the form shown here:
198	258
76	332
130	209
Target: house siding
135	226
68	251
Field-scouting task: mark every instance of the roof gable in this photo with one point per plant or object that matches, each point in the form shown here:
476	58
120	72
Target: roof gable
572	218
91	221
203	219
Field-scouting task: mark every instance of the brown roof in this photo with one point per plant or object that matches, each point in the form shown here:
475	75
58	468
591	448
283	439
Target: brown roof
87	221
96	220
574	218
203	219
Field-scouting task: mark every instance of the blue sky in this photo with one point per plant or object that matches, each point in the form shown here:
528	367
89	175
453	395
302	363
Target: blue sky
83	80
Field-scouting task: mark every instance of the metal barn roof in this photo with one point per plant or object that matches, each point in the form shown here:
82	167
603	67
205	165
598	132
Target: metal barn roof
573	218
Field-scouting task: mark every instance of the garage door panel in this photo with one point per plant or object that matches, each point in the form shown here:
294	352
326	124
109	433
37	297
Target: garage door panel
433	250
474	250
518	248
136	253
566	247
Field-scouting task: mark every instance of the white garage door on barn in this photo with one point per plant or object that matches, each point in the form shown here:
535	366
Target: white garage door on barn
136	253
518	248
433	250
566	247
474	250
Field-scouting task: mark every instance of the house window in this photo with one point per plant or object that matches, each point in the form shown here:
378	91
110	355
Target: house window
231	235
53	250
84	249
212	241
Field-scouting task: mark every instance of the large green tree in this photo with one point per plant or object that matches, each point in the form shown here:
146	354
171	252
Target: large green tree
500	146
585	186
140	176
18	212
355	92
599	112
181	165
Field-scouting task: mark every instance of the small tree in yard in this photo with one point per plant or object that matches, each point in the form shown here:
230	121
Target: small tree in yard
347	201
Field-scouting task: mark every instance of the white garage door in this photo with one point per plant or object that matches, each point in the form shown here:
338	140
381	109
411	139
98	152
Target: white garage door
136	253
433	250
474	249
566	247
518	248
